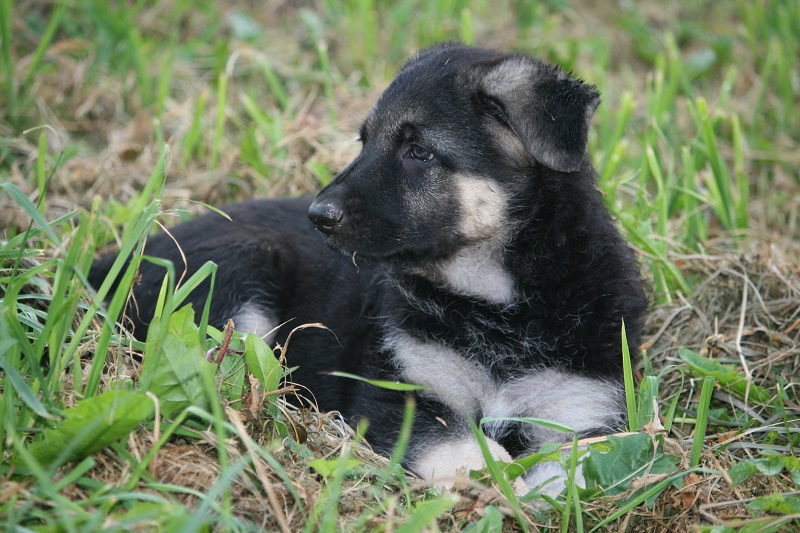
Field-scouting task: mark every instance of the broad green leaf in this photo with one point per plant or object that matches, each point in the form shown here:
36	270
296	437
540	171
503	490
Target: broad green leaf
92	425
626	458
427	512
548	452
326	467
726	375
176	370
792	464
151	515
492	522
769	464
776	503
742	471
390	385
262	363
232	372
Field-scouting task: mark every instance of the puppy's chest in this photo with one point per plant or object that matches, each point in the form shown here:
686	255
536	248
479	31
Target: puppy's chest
482	360
467	386
473	365
464	383
504	343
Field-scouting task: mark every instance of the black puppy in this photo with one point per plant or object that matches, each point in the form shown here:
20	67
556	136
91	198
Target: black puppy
489	270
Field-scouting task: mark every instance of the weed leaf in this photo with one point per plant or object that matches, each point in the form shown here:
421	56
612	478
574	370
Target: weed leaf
777	504
425	513
163	516
232	374
612	466
262	363
326	467
492	522
175	370
770	464
91	426
726	375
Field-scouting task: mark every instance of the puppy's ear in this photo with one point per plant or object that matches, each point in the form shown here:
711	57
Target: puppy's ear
547	109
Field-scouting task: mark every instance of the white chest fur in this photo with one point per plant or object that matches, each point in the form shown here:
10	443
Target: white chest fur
579	402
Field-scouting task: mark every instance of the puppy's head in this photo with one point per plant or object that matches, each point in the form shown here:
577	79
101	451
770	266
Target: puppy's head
446	148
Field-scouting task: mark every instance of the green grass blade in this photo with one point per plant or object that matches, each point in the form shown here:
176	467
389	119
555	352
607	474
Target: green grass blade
719	185
702	420
44	43
130	241
325	66
630	389
195	133
14	379
498	476
466	32
6	7
741	177
426	513
32	211
222	96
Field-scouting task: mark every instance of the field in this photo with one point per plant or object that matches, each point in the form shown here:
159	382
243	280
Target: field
120	118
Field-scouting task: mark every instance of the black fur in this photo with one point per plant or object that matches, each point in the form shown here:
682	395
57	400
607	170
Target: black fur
511	124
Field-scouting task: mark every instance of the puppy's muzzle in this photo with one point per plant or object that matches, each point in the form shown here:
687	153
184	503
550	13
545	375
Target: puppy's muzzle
327	217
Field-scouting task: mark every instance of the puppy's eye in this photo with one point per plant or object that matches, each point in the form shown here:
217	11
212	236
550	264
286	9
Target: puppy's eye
420	153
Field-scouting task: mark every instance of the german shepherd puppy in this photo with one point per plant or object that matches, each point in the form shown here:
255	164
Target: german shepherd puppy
477	260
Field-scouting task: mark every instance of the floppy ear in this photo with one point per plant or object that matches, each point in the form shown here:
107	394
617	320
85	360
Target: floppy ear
548	110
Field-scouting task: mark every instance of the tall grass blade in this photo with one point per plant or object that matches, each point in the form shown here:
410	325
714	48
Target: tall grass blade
466	30
741	177
13	381
275	85
702	420
44	43
195	133
325	66
41	171
720	184
219	129
630	389
8	63
132	238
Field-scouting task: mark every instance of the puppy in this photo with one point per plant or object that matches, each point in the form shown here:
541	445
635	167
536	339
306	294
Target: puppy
477	260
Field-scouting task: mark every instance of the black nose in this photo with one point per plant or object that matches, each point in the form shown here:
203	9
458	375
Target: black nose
325	216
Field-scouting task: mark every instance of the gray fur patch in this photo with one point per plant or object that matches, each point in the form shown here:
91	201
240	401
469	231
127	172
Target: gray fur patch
578	402
251	318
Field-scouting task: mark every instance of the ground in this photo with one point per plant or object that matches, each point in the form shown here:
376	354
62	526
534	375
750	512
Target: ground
115	118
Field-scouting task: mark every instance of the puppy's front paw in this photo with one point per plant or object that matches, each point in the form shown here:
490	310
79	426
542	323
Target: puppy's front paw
446	464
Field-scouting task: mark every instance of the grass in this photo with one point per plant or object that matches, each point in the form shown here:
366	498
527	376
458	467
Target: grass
117	116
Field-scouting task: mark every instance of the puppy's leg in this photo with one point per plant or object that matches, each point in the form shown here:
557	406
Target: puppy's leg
442	448
443	462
